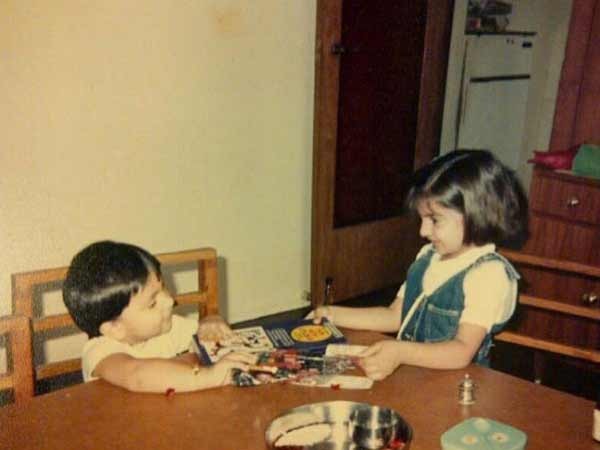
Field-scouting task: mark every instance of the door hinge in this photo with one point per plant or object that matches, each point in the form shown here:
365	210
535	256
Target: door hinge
338	49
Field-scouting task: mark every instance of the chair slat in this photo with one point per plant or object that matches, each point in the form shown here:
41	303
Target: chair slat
26	284
54	369
20	377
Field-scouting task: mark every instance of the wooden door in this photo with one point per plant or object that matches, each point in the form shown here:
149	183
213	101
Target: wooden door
577	114
379	94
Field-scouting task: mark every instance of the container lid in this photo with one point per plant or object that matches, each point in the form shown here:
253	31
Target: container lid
478	433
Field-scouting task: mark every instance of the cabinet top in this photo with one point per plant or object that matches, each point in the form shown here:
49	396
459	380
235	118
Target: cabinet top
566	175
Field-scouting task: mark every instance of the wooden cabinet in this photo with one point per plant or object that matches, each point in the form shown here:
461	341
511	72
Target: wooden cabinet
565	217
573	199
564	226
558	316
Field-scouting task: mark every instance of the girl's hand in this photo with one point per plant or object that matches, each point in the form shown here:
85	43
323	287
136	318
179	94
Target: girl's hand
380	359
320	313
221	370
213	328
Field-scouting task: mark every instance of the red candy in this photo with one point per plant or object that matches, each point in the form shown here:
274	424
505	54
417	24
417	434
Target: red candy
396	444
170	392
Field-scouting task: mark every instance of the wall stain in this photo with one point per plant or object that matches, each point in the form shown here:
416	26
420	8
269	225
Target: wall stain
229	21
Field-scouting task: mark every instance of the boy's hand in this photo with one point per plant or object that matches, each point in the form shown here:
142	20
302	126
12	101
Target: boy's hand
213	328
380	359
320	313
221	370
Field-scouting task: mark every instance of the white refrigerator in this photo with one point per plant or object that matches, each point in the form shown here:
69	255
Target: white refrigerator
493	95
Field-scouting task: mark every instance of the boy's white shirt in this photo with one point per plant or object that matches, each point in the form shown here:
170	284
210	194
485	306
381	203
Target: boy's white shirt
167	345
490	295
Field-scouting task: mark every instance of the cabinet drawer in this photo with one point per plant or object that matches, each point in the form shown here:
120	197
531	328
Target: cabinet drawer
566	197
560	239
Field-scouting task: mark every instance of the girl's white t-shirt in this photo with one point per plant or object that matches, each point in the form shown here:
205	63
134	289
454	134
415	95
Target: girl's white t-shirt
167	345
490	295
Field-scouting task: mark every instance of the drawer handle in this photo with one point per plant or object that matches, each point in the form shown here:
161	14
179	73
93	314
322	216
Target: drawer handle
589	298
573	201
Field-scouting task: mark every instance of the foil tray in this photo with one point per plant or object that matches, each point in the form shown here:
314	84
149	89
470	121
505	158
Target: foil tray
327	426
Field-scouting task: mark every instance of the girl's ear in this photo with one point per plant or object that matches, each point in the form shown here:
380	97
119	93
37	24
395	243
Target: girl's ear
112	329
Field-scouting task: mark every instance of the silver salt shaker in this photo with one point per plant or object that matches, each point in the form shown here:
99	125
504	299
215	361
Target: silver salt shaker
466	391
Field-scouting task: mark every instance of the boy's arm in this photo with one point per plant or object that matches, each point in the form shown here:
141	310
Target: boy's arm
159	375
382	358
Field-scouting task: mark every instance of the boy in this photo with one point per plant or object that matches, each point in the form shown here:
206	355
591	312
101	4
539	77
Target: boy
114	292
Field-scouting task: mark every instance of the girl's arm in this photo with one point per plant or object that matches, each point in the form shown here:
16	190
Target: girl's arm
383	357
483	308
385	319
159	375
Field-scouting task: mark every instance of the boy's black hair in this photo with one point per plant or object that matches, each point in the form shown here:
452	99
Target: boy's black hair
102	279
486	192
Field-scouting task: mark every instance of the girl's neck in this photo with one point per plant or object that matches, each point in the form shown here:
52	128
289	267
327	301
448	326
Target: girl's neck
459	252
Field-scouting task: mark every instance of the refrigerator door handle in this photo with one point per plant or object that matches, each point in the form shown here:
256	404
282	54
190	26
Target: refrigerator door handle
493	78
459	119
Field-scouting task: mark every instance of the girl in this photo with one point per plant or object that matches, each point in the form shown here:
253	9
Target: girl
458	291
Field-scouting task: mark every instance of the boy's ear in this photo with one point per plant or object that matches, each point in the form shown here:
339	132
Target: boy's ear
112	329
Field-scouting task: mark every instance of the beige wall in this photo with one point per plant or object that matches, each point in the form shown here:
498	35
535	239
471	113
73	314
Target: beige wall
169	124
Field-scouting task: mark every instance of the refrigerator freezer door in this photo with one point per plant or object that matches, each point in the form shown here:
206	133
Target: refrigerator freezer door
493	118
498	55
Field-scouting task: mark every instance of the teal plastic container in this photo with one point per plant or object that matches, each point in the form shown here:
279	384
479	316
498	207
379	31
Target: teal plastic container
478	433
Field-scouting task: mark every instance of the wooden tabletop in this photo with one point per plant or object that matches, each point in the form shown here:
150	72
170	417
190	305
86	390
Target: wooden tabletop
97	415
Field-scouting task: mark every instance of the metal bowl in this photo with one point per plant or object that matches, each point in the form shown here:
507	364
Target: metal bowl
338	425
373	427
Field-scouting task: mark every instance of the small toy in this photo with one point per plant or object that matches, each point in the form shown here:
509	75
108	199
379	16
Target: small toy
290	365
557	159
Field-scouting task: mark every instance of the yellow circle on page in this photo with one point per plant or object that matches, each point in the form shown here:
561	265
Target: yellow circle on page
310	333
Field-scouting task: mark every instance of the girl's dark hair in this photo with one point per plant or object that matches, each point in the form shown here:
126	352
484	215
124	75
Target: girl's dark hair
102	279
486	192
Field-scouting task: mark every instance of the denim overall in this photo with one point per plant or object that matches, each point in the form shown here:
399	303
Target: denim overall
436	318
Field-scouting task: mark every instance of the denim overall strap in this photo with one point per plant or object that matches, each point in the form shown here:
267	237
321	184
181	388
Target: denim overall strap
412	292
483	354
437	316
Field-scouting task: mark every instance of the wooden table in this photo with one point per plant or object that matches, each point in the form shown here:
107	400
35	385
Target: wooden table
100	416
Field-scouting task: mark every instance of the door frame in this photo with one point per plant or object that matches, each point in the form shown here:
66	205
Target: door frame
325	239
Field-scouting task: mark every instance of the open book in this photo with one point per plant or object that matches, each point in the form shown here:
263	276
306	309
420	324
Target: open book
301	335
296	351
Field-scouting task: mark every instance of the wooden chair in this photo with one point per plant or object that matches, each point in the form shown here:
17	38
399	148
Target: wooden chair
28	286
19	378
558	312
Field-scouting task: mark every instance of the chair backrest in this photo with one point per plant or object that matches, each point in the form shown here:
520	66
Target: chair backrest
19	376
26	287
